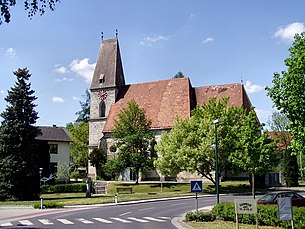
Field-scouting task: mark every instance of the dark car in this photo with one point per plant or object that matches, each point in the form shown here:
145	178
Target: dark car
271	198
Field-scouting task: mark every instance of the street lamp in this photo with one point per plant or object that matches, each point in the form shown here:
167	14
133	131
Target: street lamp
40	172
216	158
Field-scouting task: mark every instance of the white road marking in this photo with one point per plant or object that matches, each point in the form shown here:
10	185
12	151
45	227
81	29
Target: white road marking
164	217
138	220
144	209
65	221
102	220
84	221
6	224
126	213
154	219
26	222
45	221
120	220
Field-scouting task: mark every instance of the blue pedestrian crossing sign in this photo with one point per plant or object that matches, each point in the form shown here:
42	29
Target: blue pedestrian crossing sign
196	186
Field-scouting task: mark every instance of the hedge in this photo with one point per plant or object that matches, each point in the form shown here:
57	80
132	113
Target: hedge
47	204
64	188
267	216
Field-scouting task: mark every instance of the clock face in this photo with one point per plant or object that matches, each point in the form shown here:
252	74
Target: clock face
102	95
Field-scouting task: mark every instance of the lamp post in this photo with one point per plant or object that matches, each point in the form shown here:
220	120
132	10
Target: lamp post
216	158
40	173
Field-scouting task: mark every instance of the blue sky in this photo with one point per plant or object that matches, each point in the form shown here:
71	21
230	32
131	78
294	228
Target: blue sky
211	42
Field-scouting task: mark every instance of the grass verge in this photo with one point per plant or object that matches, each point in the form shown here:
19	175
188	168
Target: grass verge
218	224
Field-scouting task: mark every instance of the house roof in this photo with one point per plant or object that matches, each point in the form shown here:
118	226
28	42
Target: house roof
163	101
54	133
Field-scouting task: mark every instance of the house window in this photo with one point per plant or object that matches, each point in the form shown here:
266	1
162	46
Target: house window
53	148
102	109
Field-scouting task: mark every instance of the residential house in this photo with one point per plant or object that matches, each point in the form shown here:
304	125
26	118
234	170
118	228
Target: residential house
59	144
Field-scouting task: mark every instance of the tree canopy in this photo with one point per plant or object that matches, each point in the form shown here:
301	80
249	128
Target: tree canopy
84	113
31	6
287	92
188	146
19	154
133	137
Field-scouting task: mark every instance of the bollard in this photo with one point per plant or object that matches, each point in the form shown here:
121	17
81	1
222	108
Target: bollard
116	198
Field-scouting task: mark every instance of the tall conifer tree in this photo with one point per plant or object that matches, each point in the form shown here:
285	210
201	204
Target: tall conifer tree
19	159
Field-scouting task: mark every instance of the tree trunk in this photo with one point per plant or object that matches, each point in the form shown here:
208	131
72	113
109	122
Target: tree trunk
253	185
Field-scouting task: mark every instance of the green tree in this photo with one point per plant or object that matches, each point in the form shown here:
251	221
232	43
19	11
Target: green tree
287	92
84	113
98	159
179	75
255	151
188	146
79	133
133	138
63	173
279	125
31	6
19	156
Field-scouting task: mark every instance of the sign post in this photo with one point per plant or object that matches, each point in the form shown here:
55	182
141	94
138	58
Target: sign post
245	206
285	210
196	187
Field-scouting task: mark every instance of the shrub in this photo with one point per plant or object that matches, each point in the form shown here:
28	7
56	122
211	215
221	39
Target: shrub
64	188
47	204
200	216
267	216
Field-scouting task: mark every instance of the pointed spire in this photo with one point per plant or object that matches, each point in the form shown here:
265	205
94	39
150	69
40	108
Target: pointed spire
109	69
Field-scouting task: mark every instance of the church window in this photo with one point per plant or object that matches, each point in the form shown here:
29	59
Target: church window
102	78
102	109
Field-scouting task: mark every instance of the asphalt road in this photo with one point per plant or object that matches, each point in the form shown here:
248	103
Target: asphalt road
130	216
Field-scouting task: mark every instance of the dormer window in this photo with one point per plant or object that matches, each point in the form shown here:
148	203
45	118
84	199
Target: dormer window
102	79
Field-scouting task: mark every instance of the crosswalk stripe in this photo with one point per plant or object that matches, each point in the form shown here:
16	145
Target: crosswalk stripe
121	220
154	219
84	221
45	222
6	224
26	222
138	220
65	221
102	220
164	217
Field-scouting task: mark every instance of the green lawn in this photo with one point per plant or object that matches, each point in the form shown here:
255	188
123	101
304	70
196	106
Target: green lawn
140	192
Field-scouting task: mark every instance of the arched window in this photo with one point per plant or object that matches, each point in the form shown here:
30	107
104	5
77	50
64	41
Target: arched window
102	108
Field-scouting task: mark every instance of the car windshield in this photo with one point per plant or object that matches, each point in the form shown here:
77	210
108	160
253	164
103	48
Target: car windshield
268	197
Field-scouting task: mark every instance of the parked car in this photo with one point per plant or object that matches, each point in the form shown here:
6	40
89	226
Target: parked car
271	198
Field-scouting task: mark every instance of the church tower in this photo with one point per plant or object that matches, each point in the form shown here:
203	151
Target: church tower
108	79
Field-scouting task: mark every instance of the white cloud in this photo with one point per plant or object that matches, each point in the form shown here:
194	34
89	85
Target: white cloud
61	69
152	40
288	32
57	99
2	92
208	40
64	79
253	88
10	52
76	98
83	68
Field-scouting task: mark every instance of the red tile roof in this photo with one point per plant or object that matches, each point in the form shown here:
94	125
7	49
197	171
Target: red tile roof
162	100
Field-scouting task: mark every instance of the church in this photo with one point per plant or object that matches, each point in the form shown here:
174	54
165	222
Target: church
163	101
